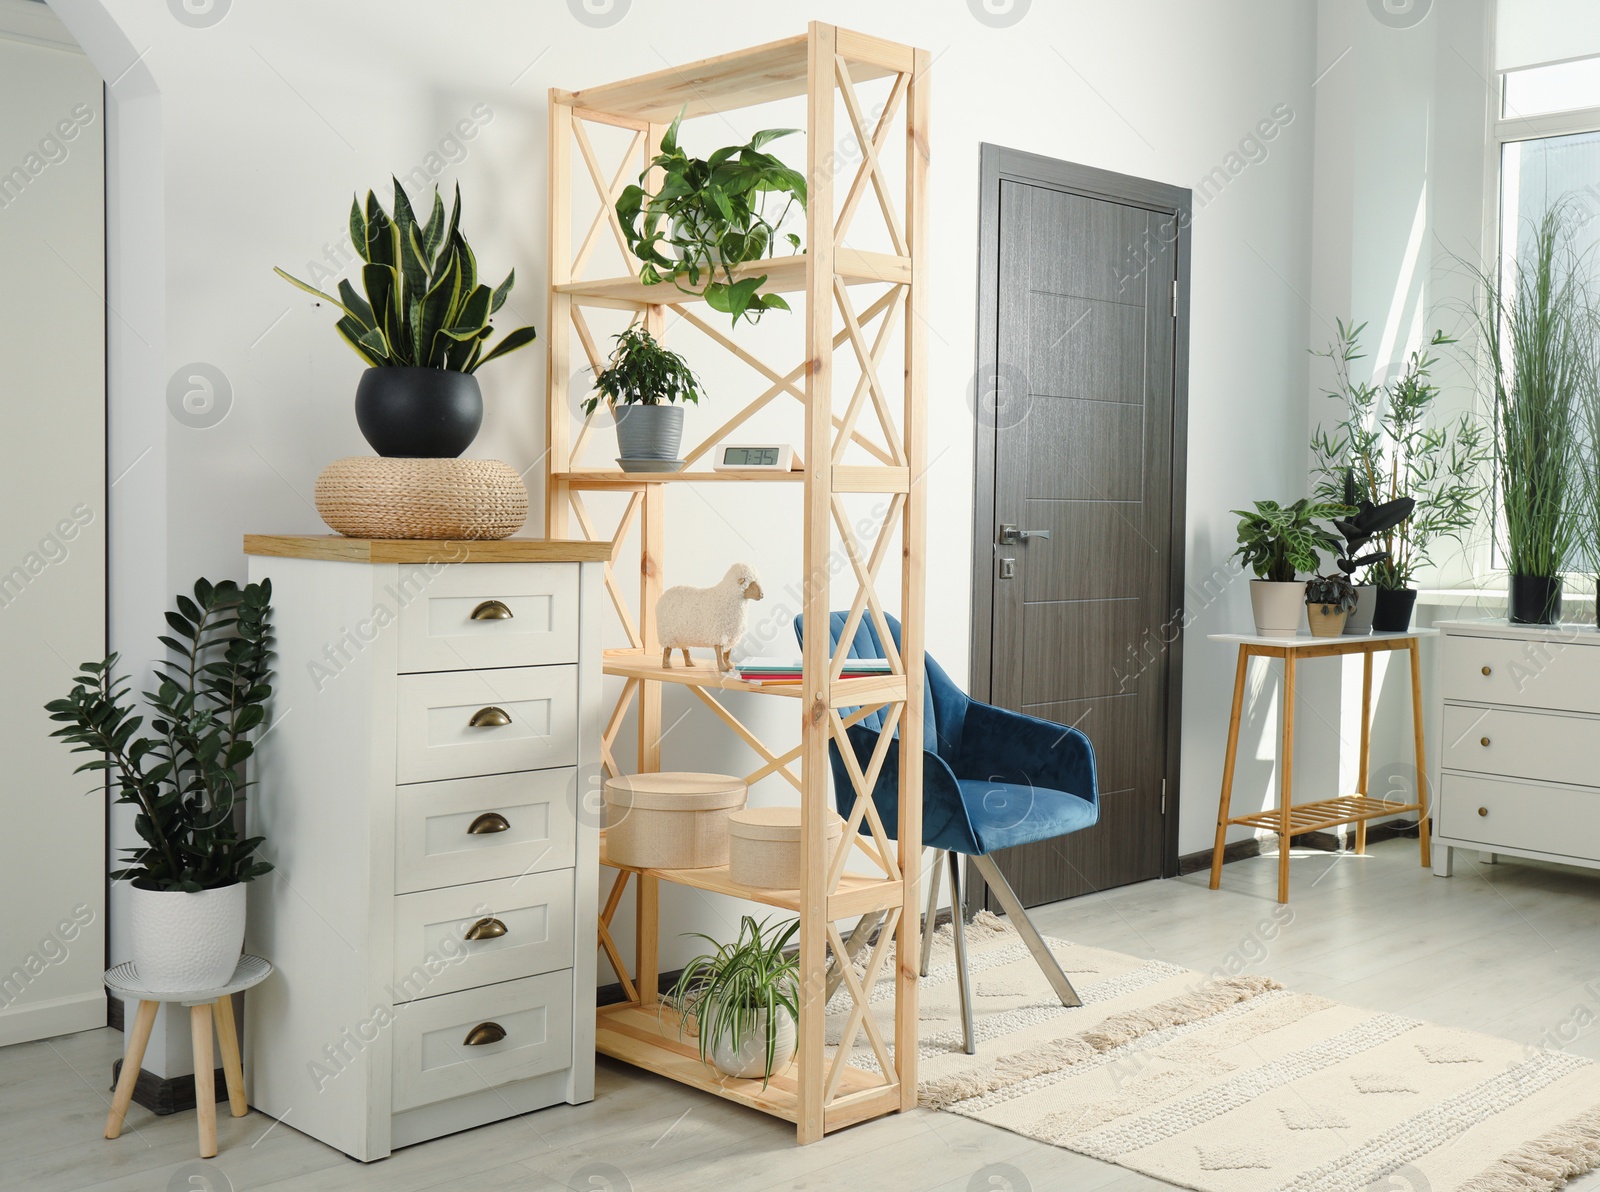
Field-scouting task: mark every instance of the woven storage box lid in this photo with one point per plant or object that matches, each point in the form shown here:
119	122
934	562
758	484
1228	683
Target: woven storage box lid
675	791
775	823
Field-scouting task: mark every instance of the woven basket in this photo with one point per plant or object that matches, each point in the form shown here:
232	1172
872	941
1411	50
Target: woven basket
368	496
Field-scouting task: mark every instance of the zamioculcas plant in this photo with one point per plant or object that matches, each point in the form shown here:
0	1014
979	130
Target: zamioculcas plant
424	305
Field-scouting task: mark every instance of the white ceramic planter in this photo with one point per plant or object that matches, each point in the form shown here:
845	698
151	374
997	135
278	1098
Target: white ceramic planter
184	943
1277	606
1359	622
749	1060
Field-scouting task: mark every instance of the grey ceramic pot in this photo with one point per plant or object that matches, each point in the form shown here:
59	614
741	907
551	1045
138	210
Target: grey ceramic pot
649	432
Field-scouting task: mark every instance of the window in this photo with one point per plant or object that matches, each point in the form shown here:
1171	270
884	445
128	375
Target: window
1559	87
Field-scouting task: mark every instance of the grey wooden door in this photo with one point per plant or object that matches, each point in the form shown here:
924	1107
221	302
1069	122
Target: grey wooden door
1082	601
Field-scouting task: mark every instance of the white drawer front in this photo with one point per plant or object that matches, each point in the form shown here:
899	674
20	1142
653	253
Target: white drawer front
438	740
432	954
1496	811
1548	673
525	824
1540	745
537	623
433	1062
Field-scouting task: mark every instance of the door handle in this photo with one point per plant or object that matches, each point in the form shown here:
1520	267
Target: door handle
1010	535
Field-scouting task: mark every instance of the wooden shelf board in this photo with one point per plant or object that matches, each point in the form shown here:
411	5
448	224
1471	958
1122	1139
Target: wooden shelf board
1326	813
760	74
845	693
425	550
616	478
649	1038
785	275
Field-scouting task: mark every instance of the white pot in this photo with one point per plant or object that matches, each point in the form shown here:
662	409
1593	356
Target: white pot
1277	606
1360	621
749	1059
186	943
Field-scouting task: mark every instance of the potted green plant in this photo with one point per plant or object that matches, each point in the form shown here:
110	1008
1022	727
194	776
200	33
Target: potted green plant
1362	522
1277	542
1387	437
186	777
1330	599
645	384
709	215
1589	462
741	999
422	327
1534	323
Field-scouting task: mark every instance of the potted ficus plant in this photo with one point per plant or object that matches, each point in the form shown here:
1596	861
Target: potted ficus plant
422	327
186	778
708	216
741	1000
1330	599
645	384
1387	437
1361	523
1278	542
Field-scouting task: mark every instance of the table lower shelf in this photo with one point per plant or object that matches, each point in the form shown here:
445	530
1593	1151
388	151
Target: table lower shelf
1325	813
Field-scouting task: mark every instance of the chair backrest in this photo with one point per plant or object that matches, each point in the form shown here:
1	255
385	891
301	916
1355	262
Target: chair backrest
944	705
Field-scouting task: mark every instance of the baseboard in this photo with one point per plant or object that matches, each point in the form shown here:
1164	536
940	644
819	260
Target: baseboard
1240	850
161	1095
25	1022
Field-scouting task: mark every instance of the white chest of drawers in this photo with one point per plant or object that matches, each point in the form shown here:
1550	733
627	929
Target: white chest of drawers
1520	756
425	793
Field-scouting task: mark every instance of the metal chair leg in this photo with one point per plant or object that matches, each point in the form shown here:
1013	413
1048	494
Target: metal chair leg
959	931
932	917
1019	919
865	926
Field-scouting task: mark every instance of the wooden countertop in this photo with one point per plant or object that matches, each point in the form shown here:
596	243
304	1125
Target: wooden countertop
425	550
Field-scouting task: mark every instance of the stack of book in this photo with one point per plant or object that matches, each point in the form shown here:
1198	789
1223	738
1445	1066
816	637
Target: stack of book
775	671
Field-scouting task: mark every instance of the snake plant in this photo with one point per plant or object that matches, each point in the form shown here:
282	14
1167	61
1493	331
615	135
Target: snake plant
424	306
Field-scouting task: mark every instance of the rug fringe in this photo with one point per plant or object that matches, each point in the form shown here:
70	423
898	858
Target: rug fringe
1548	1162
1214	997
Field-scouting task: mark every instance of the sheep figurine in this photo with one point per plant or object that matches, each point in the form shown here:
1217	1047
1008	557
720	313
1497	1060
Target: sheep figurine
712	617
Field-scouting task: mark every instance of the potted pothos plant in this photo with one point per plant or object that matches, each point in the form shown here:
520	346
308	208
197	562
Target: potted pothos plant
1361	523
1278	542
1389	438
741	999
708	216
1330	599
186	777
422	327
646	385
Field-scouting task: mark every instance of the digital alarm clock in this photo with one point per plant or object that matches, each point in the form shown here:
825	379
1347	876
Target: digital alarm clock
754	457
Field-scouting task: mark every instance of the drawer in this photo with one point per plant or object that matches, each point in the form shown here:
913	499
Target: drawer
1540	745
1557	672
479	615
438	739
432	954
525	824
1498	812
434	1062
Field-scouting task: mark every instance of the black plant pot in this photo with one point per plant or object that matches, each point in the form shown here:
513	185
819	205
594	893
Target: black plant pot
1393	613
419	413
1535	600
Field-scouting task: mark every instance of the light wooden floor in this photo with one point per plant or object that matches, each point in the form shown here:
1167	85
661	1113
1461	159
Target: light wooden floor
1511	949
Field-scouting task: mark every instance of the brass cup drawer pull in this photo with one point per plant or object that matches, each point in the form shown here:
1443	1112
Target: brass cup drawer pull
486	929
484	1033
1483	811
488	823
491	610
490	717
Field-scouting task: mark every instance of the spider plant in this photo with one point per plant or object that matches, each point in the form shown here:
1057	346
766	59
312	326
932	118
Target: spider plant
741	987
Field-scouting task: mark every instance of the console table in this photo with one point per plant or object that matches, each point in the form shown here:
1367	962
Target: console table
1289	819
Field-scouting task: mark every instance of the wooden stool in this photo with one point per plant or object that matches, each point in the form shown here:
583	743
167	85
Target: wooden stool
124	981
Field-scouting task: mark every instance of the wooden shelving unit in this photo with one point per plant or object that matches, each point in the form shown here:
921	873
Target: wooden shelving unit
871	441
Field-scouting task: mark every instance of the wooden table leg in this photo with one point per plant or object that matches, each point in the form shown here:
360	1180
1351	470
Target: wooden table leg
1366	744
131	1059
1424	818
1286	777
232	1066
1226	799
205	1089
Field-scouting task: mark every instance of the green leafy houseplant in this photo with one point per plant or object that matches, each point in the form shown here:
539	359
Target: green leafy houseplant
186	775
1366	522
1333	593
709	215
741	988
643	372
1279	541
1386	437
424	305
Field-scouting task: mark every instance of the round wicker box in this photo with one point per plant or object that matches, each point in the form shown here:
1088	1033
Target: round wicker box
367	496
670	820
764	846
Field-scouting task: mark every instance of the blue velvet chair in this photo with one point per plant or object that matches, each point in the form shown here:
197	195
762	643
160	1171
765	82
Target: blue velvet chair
991	779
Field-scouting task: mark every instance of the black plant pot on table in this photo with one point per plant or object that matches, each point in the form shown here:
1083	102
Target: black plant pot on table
419	413
1393	611
1535	600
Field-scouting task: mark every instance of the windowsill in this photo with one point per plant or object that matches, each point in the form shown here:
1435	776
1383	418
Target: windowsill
1485	597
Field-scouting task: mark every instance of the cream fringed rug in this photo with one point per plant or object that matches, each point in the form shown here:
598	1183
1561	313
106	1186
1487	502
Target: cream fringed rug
1234	1084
